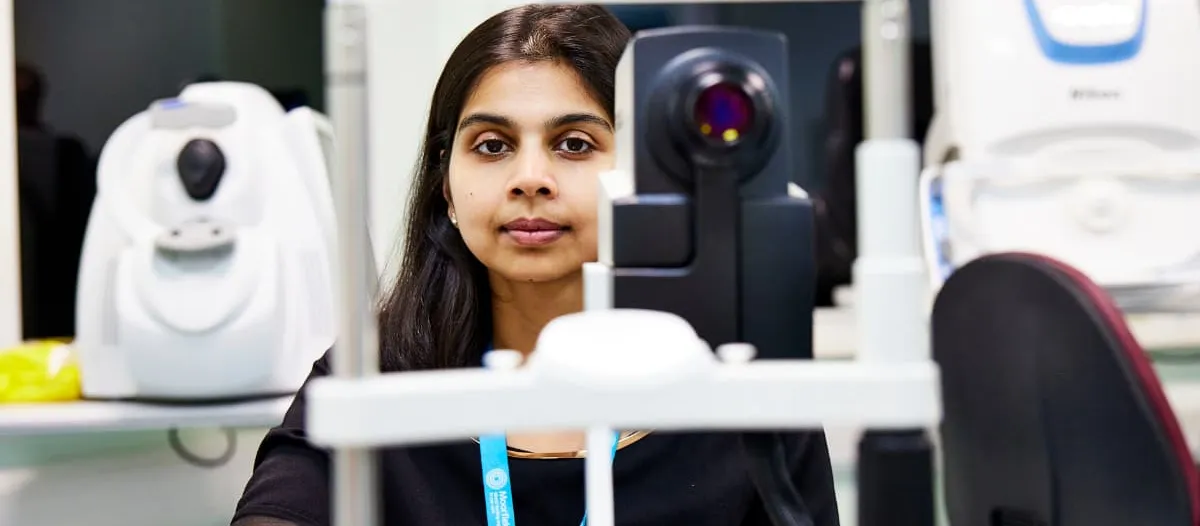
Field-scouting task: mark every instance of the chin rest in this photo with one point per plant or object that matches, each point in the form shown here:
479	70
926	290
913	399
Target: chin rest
1053	414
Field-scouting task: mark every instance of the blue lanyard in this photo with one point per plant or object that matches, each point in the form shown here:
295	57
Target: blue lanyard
497	484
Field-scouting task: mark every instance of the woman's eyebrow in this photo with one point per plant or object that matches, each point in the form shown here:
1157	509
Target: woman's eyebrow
485	118
553	123
577	118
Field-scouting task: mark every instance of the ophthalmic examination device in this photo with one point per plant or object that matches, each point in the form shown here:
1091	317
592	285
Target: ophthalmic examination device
698	314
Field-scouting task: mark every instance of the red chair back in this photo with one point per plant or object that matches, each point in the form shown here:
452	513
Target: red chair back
1053	413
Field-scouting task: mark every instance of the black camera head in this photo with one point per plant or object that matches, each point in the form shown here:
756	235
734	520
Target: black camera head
704	99
708	229
713	108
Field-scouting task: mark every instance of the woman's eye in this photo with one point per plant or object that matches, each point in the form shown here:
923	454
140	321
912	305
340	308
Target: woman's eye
575	145
491	147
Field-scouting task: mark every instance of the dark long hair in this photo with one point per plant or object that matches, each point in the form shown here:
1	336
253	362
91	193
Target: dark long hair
437	313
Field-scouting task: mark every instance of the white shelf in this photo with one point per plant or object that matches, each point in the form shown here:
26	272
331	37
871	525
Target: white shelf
90	417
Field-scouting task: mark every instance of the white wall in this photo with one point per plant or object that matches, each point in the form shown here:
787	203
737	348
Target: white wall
409	42
10	239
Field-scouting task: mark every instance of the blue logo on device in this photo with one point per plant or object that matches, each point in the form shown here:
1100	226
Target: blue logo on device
1077	54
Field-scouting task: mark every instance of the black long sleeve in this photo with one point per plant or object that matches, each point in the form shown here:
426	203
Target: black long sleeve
812	475
814	478
290	482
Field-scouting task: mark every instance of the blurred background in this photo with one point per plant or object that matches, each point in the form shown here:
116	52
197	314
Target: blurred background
85	66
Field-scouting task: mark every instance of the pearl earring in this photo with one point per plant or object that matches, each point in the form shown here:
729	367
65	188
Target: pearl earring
454	220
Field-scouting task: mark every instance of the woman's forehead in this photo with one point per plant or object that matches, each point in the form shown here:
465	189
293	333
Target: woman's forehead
530	94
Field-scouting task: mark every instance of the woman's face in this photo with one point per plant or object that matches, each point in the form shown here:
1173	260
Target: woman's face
523	171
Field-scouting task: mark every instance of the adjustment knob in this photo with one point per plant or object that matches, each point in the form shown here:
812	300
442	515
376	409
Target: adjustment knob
200	165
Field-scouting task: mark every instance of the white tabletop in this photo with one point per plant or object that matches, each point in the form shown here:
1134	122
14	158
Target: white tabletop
89	417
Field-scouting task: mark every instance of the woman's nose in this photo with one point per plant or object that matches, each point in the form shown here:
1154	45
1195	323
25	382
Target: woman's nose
533	177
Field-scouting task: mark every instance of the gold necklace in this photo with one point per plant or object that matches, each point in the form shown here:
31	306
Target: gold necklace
626	439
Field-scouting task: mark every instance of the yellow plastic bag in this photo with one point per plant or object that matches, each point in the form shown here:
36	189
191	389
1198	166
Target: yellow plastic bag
39	371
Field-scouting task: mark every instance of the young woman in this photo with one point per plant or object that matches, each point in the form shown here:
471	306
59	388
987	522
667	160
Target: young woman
503	215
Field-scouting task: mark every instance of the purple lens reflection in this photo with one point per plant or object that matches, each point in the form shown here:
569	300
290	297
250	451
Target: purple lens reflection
724	111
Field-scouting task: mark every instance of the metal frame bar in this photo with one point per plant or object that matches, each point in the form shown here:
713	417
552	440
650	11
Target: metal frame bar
356	356
886	39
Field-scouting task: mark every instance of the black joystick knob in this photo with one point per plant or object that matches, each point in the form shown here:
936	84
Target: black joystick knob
201	165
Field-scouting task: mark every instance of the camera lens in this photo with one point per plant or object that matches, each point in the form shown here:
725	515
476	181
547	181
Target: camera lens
724	112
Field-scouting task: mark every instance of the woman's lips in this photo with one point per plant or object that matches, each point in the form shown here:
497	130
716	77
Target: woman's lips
535	238
533	232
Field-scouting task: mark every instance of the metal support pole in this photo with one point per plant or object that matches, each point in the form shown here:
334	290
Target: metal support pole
895	467
355	470
886	65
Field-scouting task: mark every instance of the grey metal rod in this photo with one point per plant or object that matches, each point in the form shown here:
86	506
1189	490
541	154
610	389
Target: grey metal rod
886	70
356	355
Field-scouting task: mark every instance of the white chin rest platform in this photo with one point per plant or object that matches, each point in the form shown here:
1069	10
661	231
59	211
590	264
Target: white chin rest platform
621	369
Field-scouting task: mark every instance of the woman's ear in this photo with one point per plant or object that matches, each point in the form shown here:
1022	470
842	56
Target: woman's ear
449	203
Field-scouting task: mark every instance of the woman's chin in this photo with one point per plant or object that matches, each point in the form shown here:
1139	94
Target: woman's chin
534	273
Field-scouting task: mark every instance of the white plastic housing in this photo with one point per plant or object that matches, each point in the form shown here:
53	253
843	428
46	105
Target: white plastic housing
241	320
1059	130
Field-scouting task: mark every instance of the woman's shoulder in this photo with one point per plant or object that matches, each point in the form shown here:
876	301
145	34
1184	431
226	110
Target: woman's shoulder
324	365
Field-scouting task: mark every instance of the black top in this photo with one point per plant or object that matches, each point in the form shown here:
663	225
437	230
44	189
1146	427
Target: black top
661	480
